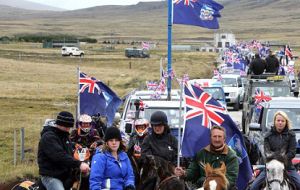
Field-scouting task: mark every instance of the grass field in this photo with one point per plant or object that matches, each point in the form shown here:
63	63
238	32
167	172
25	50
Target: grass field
38	83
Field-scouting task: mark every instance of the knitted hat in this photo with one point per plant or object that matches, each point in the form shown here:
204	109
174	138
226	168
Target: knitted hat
112	133
65	119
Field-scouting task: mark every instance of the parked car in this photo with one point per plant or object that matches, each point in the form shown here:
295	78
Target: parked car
71	51
263	119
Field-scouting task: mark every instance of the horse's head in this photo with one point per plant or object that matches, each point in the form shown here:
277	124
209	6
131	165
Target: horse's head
275	171
215	178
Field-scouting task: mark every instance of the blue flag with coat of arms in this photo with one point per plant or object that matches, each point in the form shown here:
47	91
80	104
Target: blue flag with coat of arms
201	113
97	98
203	13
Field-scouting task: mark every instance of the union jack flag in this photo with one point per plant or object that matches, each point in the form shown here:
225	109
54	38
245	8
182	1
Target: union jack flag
290	69
201	106
97	98
146	45
186	2
88	82
201	112
261	97
151	85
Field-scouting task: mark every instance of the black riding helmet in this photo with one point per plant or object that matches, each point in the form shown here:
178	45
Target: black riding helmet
159	117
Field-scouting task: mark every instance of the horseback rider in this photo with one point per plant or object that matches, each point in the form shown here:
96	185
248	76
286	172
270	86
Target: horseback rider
160	142
85	135
55	157
136	140
280	138
111	168
214	154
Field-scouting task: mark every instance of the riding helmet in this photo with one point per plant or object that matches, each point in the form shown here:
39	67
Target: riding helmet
159	117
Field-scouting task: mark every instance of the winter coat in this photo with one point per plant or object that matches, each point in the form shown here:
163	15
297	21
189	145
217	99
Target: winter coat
277	142
55	154
85	139
257	66
196	172
134	145
272	64
164	146
109	173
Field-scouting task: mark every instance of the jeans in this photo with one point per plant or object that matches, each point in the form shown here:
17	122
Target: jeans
52	183
295	177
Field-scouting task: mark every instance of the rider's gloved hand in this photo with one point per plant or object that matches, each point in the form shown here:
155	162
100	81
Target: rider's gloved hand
84	167
129	187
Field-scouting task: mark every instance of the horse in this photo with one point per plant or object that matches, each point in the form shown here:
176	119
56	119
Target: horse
276	174
158	174
19	184
215	178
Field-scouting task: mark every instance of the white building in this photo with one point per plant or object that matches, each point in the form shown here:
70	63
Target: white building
223	40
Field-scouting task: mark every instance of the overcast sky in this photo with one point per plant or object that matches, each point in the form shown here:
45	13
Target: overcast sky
79	4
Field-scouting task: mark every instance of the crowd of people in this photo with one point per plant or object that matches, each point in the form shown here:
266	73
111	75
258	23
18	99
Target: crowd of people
111	168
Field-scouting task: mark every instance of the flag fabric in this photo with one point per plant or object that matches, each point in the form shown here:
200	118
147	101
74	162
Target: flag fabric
203	13
261	97
288	52
202	112
97	98
151	85
145	45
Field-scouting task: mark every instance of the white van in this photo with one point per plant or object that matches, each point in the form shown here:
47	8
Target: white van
71	51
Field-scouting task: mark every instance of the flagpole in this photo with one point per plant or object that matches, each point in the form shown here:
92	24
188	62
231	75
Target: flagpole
180	123
169	84
78	92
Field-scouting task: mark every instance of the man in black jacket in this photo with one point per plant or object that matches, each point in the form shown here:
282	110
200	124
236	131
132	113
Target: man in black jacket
55	158
257	66
272	63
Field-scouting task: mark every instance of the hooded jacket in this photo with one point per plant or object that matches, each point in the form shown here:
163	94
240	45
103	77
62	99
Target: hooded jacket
55	154
108	173
284	142
196	172
164	146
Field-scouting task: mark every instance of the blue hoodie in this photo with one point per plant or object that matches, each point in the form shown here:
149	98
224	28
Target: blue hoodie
108	173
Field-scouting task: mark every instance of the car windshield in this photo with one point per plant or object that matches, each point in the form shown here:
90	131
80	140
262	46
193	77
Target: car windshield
216	93
229	82
293	114
172	115
273	91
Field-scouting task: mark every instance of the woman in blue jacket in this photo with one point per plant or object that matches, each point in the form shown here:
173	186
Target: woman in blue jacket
111	168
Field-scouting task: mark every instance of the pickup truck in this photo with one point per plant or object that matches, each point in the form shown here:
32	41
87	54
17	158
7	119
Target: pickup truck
71	51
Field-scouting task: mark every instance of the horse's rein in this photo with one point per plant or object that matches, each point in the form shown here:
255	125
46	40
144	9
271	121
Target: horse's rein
165	180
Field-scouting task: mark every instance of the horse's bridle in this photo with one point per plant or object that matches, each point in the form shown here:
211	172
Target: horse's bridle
274	180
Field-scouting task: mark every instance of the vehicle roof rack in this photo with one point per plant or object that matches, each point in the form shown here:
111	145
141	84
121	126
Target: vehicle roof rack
262	76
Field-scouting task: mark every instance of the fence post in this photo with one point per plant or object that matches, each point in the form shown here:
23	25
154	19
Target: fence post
15	147
22	134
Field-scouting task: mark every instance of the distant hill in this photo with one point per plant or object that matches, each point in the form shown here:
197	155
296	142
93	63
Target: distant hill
23	4
248	19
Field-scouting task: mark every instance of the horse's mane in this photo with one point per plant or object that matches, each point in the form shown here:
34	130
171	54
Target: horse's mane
279	157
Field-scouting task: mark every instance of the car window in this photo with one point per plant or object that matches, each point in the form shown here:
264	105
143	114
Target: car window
273	91
293	114
172	115
229	82
216	93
